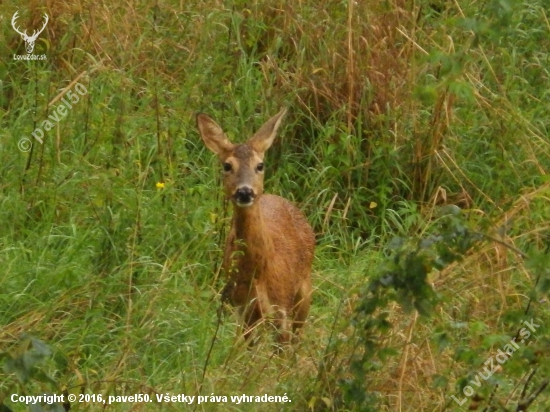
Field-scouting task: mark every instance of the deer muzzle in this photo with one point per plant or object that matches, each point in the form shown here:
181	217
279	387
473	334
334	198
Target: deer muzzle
244	196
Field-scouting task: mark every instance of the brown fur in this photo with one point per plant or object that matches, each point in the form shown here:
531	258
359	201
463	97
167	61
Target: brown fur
269	250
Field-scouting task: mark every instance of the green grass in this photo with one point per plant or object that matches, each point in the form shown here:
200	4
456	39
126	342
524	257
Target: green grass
396	109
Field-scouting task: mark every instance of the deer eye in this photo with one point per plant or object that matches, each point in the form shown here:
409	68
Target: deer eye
227	167
260	167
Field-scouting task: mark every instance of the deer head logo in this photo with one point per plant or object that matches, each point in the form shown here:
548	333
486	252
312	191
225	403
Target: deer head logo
29	40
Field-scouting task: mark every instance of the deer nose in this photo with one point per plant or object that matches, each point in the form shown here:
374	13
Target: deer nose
244	196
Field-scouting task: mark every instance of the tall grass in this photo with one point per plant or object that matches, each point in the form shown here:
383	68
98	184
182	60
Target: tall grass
112	229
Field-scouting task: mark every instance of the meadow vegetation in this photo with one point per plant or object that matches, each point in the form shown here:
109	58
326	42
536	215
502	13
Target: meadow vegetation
416	142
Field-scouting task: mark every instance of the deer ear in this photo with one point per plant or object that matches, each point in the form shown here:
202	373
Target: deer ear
213	136
264	137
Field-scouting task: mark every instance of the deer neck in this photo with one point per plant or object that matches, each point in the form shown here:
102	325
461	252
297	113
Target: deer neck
252	238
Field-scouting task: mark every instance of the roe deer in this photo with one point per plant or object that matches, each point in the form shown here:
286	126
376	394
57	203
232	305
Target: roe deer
269	249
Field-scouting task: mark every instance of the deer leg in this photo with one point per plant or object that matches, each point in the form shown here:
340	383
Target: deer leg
283	326
302	302
252	318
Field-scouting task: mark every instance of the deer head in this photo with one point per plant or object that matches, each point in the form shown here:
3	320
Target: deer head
243	165
29	40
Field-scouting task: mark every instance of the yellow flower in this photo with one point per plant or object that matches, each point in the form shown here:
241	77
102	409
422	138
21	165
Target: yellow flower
160	185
